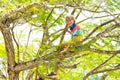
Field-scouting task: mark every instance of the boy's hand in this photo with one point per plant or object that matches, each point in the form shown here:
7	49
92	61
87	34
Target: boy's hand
68	31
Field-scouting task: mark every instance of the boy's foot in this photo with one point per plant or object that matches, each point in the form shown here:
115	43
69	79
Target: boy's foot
52	75
79	47
74	66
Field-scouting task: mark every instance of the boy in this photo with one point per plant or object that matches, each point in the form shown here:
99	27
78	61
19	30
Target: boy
76	33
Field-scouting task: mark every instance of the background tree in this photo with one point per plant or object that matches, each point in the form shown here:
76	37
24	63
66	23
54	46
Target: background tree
33	30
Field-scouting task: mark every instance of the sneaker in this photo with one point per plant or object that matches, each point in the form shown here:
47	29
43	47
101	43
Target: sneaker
52	75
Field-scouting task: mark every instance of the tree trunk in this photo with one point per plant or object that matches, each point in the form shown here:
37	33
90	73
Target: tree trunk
10	54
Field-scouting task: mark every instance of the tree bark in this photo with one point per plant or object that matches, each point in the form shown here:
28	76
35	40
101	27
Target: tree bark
10	53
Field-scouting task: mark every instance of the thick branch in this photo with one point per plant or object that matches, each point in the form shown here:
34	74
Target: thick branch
9	50
28	65
36	62
23	9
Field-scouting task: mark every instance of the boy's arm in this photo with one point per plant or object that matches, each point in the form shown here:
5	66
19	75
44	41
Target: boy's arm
78	27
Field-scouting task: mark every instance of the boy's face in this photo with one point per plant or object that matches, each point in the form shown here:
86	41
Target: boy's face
70	22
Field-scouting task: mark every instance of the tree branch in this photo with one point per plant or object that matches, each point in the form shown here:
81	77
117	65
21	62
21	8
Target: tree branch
96	29
2	75
56	19
101	34
106	70
24	8
97	17
104	51
92	71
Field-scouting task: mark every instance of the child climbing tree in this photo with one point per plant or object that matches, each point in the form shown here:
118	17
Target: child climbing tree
76	33
76	37
30	32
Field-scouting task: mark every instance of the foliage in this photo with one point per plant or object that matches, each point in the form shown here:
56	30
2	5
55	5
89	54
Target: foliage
38	35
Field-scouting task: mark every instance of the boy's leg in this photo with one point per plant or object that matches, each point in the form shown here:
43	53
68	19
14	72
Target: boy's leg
53	74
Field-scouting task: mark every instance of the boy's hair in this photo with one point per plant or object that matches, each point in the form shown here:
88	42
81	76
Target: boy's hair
69	17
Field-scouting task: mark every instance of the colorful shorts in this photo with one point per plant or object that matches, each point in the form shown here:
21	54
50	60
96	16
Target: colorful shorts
76	38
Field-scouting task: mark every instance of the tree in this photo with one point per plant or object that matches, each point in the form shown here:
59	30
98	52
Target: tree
100	25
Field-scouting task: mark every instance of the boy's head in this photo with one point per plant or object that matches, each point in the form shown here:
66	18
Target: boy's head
70	20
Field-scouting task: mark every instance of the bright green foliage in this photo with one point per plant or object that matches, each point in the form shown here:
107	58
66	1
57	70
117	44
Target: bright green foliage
2	51
37	33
